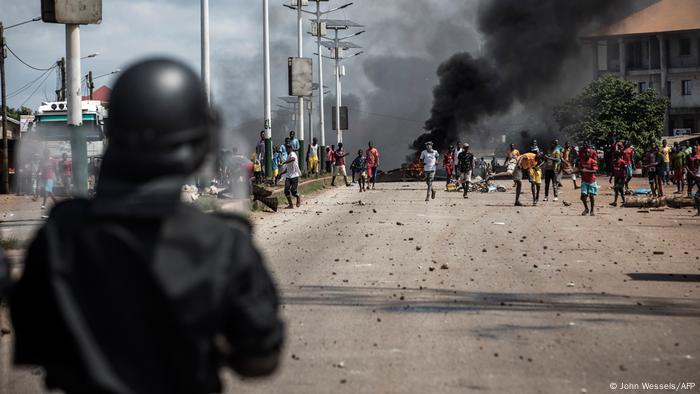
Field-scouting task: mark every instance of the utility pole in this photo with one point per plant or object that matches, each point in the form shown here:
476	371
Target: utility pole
337	46
322	130
75	111
61	92
266	83
300	107
311	124
319	35
3	110
90	83
5	151
206	70
338	93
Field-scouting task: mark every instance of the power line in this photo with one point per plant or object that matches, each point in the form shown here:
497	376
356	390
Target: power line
35	90
25	63
27	86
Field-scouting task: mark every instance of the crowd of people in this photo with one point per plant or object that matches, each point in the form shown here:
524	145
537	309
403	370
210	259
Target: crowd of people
43	173
678	165
286	165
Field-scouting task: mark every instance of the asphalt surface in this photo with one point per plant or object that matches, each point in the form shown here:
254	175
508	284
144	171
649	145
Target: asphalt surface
530	299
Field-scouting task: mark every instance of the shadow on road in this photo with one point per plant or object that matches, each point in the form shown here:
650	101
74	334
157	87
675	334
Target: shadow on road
664	277
448	301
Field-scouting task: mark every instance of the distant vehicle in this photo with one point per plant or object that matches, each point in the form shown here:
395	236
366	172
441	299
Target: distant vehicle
50	127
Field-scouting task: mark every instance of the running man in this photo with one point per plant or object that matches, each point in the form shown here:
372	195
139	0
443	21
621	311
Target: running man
466	167
291	181
372	164
359	165
340	165
589	186
448	162
551	168
429	158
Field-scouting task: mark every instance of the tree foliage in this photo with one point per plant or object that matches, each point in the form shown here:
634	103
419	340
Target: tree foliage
15	113
611	109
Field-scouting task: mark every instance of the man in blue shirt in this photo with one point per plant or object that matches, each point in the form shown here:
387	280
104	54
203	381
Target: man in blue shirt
294	142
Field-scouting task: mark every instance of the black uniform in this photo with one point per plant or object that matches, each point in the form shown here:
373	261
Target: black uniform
135	292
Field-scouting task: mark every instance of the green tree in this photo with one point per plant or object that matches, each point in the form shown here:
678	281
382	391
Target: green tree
14	113
611	109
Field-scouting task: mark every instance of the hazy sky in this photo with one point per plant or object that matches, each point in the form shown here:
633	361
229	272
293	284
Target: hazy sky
389	88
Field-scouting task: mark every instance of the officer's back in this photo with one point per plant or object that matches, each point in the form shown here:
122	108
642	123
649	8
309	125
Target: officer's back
134	292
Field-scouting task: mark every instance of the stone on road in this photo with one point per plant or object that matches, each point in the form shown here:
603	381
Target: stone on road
536	299
385	293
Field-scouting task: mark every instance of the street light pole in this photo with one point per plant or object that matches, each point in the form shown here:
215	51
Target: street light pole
75	111
268	100
206	79
321	107
338	93
5	152
90	84
300	115
3	110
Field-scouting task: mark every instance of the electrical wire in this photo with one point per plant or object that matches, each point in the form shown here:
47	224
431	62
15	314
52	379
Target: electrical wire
35	90
25	63
28	85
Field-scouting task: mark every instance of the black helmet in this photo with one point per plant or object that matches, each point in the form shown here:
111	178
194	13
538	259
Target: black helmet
160	122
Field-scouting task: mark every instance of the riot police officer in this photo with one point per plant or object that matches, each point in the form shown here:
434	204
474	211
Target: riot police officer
134	291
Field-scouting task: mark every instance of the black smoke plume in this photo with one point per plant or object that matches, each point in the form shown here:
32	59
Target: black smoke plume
527	44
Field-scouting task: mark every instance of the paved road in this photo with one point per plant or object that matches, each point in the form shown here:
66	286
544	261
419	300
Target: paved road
533	300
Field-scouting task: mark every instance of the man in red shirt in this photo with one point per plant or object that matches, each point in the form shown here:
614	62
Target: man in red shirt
340	165
619	174
589	186
372	163
448	161
48	177
330	159
628	157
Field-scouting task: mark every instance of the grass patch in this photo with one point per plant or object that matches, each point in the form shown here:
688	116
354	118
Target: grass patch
304	190
208	204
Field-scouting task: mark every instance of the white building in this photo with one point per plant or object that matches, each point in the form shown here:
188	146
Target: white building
657	48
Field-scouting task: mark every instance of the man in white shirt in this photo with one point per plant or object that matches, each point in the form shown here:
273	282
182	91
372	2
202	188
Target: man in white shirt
291	182
429	158
455	155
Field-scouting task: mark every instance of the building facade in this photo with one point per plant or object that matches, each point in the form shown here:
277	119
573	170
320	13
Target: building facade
657	48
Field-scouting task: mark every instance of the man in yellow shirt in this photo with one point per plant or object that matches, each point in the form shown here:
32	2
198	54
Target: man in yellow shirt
666	164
